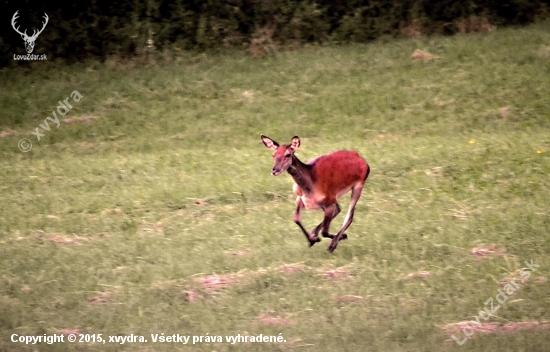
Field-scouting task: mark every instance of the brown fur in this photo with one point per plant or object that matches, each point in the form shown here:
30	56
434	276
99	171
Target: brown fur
319	184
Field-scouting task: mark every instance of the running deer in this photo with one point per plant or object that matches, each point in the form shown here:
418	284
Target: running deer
319	183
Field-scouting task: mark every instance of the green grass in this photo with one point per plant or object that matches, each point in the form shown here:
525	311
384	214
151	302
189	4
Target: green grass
172	179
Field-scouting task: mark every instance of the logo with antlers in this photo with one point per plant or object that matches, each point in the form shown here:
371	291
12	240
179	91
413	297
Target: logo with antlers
29	41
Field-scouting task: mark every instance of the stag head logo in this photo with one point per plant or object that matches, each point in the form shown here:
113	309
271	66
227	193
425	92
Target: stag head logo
29	41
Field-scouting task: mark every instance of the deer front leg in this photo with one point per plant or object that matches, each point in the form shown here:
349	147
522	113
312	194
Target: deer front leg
298	220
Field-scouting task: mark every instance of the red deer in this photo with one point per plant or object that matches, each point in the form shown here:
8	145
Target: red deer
319	183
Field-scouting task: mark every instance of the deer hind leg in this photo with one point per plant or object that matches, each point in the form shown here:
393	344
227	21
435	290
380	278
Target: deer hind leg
330	213
355	195
313	238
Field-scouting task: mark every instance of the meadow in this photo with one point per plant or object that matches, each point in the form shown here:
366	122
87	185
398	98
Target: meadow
152	209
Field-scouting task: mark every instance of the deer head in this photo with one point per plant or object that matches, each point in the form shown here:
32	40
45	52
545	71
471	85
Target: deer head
283	153
29	41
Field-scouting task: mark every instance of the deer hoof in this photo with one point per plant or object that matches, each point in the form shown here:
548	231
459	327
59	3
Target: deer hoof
312	242
344	236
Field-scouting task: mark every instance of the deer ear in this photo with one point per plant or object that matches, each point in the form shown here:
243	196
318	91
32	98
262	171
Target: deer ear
295	143
271	144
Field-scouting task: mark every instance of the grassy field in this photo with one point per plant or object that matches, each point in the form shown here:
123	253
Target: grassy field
159	215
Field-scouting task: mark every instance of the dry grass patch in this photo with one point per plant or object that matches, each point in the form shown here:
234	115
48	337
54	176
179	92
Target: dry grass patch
99	300
292	268
193	296
336	274
442	104
86	145
115	211
73	331
8	133
385	137
166	284
494	328
523	280
202	287
423	55
190	295
504	111
434	171
461	213
240	253
545	52
420	274
486	251
273	319
55	237
348	299
213	283
201	201
150	227
80	119
247	95
65	239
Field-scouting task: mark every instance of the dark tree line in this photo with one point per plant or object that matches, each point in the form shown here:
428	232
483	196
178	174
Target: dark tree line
101	28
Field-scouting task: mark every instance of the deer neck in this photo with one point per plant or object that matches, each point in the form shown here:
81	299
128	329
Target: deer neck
301	173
